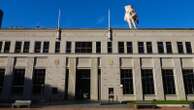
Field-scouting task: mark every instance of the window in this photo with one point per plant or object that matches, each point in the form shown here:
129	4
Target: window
83	47
168	47
141	47
2	76
188	81
109	47
38	81
168	81
160	47
1	45
121	47
180	47
57	47
18	46
26	47
18	82
98	47
54	90
7	46
147	81
188	47
46	47
149	47
37	48
68	47
127	81
129	47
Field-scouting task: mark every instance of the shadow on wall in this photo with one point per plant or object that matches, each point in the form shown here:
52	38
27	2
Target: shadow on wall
17	87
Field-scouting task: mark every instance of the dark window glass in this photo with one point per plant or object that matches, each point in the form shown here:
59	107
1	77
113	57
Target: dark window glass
188	47
7	46
37	48
140	47
26	47
168	81
109	47
160	47
54	90
57	47
46	47
83	47
38	81
168	47
18	81
121	47
18	46
188	81
68	47
149	47
129	47
127	81
180	47
2	76
98	47
147	81
1	45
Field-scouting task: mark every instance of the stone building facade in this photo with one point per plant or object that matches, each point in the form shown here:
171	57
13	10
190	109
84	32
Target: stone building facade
144	64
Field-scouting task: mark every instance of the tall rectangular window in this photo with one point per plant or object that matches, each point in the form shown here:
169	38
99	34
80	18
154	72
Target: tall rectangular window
168	81
26	47
68	47
98	47
188	47
160	47
57	46
46	47
2	76
121	47
38	81
7	46
180	47
147	81
168	47
18	82
37	48
188	81
127	81
141	47
149	47
109	48
129	47
83	47
1	45
18	46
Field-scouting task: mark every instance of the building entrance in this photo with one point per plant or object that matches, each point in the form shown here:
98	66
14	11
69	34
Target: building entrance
82	84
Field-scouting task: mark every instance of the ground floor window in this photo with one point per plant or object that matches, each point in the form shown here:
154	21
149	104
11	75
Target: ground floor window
188	81
127	81
168	81
147	81
18	81
38	81
2	75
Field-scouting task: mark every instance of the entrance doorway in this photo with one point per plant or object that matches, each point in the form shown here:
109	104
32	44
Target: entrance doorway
82	84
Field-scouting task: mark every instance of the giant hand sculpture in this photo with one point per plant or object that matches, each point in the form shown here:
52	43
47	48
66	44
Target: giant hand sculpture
130	17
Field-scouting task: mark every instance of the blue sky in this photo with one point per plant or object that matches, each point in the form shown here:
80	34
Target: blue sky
93	13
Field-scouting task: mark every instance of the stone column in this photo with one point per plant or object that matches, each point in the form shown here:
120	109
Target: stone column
158	83
94	80
73	47
12	47
179	83
135	47
28	78
137	83
72	78
31	47
93	47
6	93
